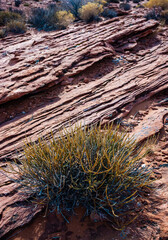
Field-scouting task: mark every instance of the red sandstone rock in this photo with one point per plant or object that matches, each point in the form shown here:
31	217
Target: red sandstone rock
34	65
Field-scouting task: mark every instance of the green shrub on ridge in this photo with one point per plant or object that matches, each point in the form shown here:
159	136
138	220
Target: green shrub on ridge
98	170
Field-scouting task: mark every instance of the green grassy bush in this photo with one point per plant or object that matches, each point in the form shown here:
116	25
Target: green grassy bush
98	170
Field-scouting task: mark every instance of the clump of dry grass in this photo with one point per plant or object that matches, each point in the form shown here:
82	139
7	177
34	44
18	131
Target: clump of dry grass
7	16
157	3
91	11
64	18
99	170
16	27
3	33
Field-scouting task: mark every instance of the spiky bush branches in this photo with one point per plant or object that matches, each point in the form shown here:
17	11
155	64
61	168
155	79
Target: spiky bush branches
97	169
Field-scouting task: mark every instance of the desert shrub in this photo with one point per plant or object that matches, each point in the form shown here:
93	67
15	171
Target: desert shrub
109	13
18	11
125	6
73	6
7	16
90	11
153	14
16	27
98	170
102	2
50	18
164	16
3	33
157	3
64	18
43	19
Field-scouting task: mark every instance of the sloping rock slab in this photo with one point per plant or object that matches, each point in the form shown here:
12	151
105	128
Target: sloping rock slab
107	98
33	62
151	124
29	65
16	209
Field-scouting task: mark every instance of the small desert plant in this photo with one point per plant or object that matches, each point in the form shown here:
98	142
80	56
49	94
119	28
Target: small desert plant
43	19
103	2
7	16
100	170
157	3
16	27
3	33
109	13
125	6
64	18
153	14
50	18
164	16
90	11
73	6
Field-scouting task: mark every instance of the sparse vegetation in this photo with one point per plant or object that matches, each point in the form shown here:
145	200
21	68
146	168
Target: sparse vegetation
153	14
73	6
103	2
100	170
16	27
12	22
159	10
64	18
50	18
90	11
43	19
157	3
3	33
109	13
125	6
165	16
7	16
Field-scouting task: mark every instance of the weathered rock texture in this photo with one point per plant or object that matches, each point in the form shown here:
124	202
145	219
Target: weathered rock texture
86	74
39	61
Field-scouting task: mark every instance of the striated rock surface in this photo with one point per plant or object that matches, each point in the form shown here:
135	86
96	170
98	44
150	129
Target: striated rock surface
32	62
86	74
109	97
